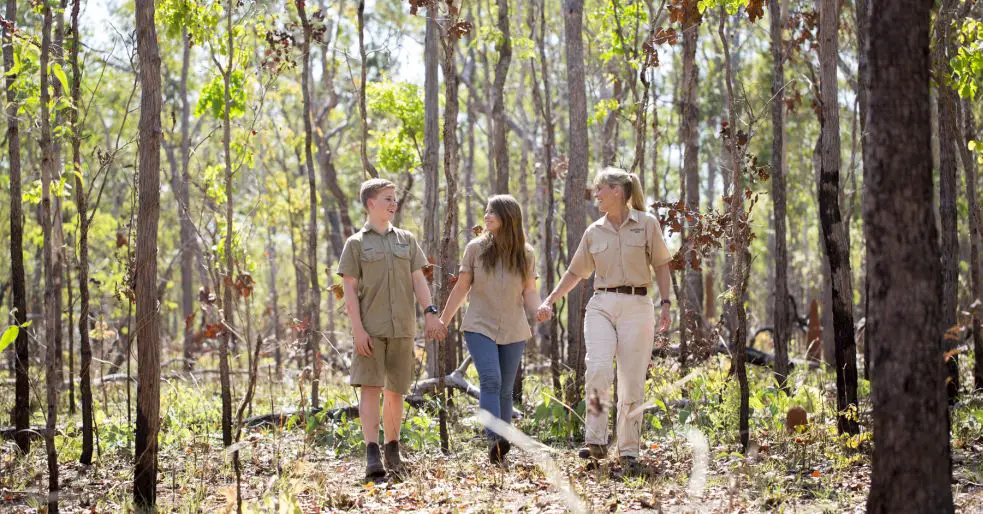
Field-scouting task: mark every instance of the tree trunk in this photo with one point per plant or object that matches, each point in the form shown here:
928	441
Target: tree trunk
947	109
448	243
51	313
314	331
911	469
781	315
367	166
228	308
148	322
188	243
431	161
274	300
576	188
499	127
834	231
969	168
544	103
690	138
21	413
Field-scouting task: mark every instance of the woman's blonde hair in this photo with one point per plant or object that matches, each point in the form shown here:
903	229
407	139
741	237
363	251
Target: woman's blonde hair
629	184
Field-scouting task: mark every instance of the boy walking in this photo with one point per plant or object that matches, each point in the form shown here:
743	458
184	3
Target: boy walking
382	270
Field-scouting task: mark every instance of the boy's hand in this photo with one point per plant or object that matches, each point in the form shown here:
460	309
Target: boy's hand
363	342
435	328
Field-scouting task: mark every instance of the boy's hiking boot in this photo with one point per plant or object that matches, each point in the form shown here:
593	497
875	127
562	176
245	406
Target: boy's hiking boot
497	450
394	463
593	451
373	462
630	467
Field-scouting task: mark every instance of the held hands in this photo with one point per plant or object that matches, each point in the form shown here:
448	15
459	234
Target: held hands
544	312
435	328
665	320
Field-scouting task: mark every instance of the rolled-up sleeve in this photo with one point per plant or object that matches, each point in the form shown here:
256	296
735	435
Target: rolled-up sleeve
582	263
418	258
350	263
658	251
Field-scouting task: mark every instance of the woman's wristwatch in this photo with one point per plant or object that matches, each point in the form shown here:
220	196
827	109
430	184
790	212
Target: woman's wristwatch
666	301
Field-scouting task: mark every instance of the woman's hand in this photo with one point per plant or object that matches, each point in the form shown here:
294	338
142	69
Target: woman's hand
544	312
665	319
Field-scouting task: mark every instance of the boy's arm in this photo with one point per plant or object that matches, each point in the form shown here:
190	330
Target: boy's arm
363	342
434	328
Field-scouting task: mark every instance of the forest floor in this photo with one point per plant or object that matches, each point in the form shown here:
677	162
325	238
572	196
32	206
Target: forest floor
315	465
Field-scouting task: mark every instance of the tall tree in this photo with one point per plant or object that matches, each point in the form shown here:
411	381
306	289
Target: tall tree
499	126
50	284
315	305
834	231
189	244
21	413
911	463
947	105
367	166
780	307
148	320
969	169
228	308
690	139
85	347
575	188
431	157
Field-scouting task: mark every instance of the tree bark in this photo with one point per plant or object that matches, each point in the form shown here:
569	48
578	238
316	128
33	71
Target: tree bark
690	138
576	188
189	244
834	231
315	306
947	109
911	464
148	321
367	166
969	169
499	126
50	284
21	413
780	307
228	308
85	346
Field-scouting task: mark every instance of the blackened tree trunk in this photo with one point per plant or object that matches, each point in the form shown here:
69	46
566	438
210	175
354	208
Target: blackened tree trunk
576	187
50	284
228	307
314	332
85	347
148	321
834	230
21	414
947	109
781	315
911	462
499	141
969	168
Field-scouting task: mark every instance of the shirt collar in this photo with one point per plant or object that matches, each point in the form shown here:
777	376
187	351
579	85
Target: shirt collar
369	228
633	215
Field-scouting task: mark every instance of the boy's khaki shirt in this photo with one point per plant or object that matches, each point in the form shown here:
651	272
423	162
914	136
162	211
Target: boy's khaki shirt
384	264
621	256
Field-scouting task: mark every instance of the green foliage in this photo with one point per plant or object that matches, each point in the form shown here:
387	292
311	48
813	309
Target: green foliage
967	64
212	100
397	147
199	19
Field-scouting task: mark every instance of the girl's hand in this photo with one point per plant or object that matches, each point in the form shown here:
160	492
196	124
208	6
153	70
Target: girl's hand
544	312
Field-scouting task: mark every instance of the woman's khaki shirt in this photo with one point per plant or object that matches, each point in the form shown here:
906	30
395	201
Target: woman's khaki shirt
495	306
621	256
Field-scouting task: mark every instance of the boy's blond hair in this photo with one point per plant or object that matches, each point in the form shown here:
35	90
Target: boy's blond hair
370	189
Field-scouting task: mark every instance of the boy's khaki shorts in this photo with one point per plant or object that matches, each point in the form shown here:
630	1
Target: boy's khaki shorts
390	366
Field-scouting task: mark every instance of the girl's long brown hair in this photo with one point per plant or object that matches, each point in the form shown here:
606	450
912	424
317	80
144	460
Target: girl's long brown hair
509	244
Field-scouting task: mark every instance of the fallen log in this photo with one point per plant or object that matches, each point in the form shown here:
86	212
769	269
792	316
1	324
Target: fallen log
754	356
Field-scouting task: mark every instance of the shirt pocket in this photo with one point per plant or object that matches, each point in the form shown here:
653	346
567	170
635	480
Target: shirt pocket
372	254
635	246
603	254
401	251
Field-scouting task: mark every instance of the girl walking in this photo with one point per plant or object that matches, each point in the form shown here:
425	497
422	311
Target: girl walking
498	276
621	249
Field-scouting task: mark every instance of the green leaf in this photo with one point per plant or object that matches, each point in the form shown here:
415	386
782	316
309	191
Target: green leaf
9	336
60	74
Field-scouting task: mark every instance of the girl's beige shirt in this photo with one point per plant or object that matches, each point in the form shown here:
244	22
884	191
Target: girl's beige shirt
495	306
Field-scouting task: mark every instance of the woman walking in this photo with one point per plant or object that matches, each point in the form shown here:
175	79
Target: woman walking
621	249
498	270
